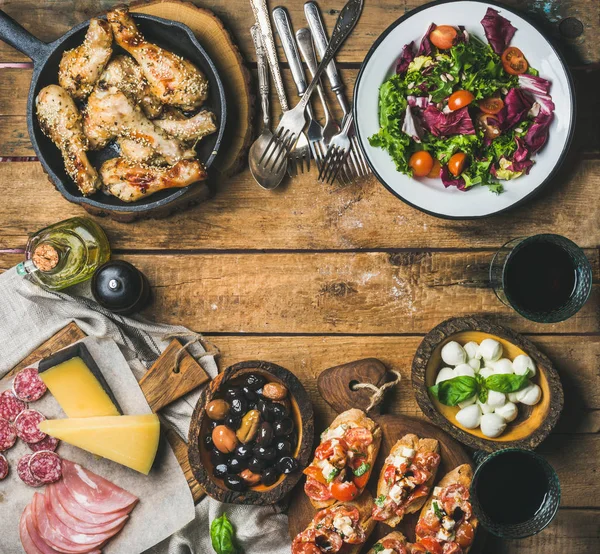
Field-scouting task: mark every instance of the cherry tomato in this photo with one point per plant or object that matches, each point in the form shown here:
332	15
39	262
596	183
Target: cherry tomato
421	163
419	492
452	548
360	482
306	548
358	437
514	61
432	545
390	474
429	524
394	544
460	99
315	490
457	163
315	473
344	491
427	460
489	125
443	37
465	535
491	105
435	170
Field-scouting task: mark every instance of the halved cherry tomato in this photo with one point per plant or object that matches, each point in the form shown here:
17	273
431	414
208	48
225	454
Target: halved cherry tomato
435	170
315	490
457	163
432	545
389	474
358	437
514	61
489	125
421	163
362	480
443	37
460	99
315	473
394	544
491	106
465	535
344	491
427	460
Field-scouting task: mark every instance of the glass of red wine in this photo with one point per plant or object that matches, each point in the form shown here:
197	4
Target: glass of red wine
515	493
545	278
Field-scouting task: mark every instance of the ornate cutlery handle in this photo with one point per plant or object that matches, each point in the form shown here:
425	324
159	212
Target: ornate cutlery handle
284	28
261	13
263	75
308	52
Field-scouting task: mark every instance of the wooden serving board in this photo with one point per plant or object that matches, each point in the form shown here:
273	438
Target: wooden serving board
160	385
334	385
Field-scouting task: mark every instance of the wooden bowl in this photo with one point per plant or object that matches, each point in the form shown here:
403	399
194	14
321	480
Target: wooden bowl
301	413
533	424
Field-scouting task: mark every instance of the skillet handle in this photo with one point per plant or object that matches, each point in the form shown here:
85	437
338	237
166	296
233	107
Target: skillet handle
21	39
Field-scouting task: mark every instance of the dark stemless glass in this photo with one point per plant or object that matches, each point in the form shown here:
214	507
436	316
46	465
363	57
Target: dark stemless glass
520	274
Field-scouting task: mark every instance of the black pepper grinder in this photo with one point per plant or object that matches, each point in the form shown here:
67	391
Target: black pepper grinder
120	287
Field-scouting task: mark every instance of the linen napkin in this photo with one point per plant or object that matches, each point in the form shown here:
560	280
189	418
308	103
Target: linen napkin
30	315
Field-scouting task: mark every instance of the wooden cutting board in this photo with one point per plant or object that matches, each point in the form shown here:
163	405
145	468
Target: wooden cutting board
335	386
160	385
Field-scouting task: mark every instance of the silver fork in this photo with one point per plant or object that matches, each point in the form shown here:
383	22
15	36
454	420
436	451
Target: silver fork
337	155
313	15
300	155
292	123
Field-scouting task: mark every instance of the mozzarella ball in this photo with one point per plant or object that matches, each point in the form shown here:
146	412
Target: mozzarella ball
486	372
475	364
496	399
464	369
472	350
453	353
492	425
530	395
513	397
490	350
485	407
445	374
469	417
522	364
468	402
503	366
508	412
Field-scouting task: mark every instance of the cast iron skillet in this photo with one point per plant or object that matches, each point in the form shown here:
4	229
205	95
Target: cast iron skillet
170	35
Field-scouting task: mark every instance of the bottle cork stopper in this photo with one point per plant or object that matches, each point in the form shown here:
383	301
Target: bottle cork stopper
45	257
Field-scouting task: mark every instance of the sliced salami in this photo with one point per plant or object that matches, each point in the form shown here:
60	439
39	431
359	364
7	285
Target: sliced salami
8	435
26	425
10	405
28	386
47	443
24	472
45	466
3	467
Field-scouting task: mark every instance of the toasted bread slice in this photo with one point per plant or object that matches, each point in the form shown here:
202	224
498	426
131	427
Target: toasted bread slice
393	536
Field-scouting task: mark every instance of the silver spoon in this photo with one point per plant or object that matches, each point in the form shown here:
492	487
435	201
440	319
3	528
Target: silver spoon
266	179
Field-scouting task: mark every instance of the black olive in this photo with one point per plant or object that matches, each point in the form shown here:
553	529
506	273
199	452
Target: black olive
264	436
208	442
233	392
237	465
239	407
233	422
217	457
283	447
266	413
255	381
287	465
243	451
212	424
220	470
235	483
255	465
266	453
283	427
250	395
279	411
269	476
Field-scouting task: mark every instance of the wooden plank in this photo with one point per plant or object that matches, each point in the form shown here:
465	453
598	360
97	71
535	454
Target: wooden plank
49	20
304	214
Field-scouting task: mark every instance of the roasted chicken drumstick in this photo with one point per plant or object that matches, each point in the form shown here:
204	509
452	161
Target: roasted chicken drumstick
81	67
192	129
174	80
61	122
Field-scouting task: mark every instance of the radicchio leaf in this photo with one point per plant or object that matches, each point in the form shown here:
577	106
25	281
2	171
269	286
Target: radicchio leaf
440	124
407	56
516	107
450	180
538	88
498	30
425	47
418	101
411	126
537	135
522	153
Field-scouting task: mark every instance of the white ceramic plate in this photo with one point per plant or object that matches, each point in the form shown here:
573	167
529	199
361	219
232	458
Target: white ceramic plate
429	195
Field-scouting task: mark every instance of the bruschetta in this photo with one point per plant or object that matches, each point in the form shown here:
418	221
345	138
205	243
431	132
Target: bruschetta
344	460
394	543
406	478
447	524
342	528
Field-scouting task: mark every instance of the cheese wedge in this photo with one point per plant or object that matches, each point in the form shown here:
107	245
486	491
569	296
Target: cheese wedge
77	390
130	440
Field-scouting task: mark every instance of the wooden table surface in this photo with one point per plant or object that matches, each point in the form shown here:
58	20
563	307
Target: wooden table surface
310	276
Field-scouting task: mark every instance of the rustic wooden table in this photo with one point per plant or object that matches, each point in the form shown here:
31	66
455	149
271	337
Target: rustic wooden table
310	276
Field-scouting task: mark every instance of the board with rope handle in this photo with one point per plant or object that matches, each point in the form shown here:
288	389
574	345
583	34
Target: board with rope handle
338	386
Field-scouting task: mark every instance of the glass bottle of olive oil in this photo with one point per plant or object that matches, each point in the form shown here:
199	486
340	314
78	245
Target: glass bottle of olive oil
65	253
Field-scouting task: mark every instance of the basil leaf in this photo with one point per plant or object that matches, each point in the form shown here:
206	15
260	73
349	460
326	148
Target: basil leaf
362	469
436	509
508	382
380	500
334	473
483	395
222	536
455	390
378	548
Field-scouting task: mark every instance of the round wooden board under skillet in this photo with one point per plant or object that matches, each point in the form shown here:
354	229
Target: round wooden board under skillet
334	386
